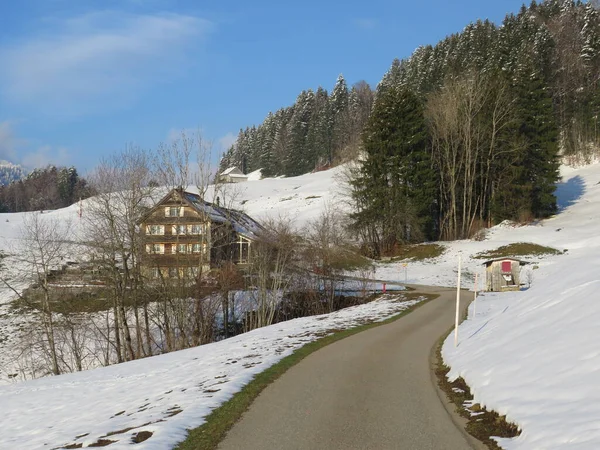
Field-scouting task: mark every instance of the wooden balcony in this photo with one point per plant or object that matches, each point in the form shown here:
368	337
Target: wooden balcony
174	260
174	239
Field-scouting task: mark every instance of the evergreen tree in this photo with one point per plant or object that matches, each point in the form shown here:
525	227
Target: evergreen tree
539	132
339	113
319	138
67	178
299	157
268	145
394	190
527	182
392	78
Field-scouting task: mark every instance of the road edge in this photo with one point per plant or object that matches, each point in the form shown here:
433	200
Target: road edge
203	438
457	419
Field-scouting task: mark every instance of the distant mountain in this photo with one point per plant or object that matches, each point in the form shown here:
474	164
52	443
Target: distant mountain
10	172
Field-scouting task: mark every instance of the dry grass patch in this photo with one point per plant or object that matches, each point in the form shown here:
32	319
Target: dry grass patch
518	249
141	436
102	443
481	423
418	252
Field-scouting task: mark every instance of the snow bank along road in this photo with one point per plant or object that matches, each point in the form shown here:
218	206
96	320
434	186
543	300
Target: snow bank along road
373	390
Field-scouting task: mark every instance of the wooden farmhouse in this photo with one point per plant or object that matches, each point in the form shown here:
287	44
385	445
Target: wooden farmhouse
185	236
503	274
232	175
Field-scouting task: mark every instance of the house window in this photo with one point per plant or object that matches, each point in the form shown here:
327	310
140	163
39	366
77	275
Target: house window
155	229
181	248
173	272
179	230
195	229
196	248
154	248
155	273
192	272
174	211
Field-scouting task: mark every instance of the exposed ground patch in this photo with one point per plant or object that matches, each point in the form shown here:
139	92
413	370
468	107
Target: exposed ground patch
481	423
418	252
518	249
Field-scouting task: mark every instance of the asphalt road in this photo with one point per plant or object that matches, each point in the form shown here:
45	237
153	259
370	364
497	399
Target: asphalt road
373	390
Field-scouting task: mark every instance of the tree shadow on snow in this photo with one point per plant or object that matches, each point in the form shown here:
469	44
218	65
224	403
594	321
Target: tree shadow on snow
567	193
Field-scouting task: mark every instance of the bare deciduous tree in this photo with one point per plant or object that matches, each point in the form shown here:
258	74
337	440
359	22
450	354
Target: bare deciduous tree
466	118
270	270
122	184
325	237
43	249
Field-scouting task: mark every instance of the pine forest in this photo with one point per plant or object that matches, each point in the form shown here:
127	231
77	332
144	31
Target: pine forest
461	135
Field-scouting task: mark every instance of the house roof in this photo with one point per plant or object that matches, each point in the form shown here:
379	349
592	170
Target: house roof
232	171
241	222
521	262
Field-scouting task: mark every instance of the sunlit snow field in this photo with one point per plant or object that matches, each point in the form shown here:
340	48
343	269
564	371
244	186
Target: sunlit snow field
532	355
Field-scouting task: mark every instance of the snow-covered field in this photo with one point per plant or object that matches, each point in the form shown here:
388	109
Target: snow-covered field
165	394
532	355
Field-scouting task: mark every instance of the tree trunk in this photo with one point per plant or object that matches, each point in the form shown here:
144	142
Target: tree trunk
50	330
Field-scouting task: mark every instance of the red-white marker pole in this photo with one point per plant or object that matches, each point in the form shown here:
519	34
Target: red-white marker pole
475	299
457	303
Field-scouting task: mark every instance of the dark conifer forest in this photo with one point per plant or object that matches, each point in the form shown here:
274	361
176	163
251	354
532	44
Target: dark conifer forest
458	136
48	188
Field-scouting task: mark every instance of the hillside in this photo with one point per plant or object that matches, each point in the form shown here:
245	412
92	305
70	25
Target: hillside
533	355
527	354
298	199
551	45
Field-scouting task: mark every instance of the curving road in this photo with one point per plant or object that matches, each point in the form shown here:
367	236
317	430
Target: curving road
373	390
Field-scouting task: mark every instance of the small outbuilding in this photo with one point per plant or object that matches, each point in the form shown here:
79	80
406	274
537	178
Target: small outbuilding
232	175
503	274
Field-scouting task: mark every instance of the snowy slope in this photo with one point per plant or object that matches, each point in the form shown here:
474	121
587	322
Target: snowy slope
534	355
300	199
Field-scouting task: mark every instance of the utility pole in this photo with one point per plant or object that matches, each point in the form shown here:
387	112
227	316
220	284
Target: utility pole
475	297
457	303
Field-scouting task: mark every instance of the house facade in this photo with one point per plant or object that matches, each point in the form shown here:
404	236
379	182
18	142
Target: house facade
184	236
503	274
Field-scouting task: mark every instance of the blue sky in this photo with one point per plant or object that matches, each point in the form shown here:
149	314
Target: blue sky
81	79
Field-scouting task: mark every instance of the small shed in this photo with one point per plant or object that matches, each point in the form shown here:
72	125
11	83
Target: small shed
503	274
232	175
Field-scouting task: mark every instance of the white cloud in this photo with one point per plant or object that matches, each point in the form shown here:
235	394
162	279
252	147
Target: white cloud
76	64
19	151
8	142
177	134
44	156
226	141
366	23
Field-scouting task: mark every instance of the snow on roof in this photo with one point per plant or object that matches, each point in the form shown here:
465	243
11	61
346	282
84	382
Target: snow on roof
232	171
241	222
255	176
